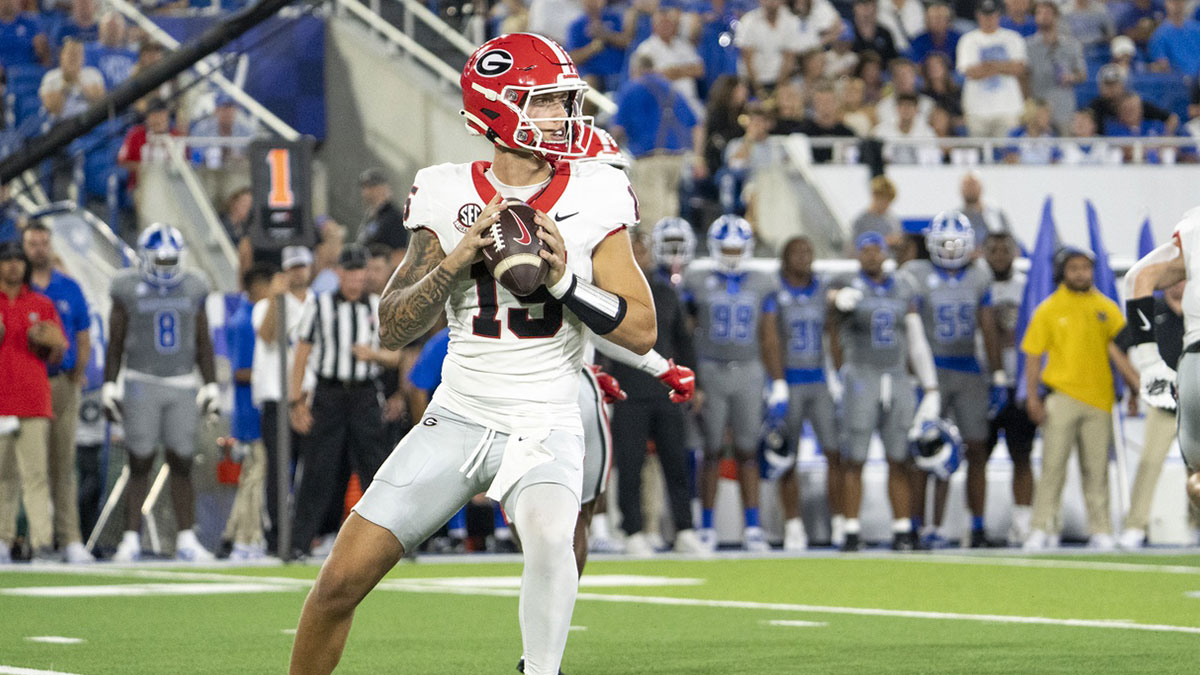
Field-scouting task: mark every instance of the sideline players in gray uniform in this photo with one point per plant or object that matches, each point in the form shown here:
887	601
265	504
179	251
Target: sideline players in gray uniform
879	330
954	300
794	357
159	333
726	304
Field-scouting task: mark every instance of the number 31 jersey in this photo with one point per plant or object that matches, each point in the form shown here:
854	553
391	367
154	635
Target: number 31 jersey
161	337
513	362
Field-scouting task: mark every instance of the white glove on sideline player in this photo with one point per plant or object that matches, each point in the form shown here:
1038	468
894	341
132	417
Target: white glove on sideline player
1158	379
927	411
846	299
110	398
208	399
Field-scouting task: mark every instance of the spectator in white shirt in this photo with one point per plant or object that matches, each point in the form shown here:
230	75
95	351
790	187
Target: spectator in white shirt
904	82
769	38
905	19
819	21
1083	125
908	126
551	17
993	60
69	89
674	57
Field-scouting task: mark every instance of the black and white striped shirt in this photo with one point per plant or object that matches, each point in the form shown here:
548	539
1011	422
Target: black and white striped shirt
334	325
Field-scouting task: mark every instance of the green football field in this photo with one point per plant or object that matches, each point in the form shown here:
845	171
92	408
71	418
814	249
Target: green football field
815	614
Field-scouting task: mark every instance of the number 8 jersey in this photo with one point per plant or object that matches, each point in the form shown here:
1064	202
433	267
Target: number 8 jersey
161	337
513	362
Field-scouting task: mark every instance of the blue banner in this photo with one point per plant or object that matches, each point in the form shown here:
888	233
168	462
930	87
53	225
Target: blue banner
1038	287
1145	240
286	59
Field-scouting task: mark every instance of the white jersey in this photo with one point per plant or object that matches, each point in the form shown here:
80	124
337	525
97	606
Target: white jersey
514	365
1187	237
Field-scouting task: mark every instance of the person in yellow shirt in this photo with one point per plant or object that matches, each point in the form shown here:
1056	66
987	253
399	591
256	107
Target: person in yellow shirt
1073	331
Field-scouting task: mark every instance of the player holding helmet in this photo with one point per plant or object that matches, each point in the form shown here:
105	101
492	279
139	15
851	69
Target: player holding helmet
954	301
159	332
505	419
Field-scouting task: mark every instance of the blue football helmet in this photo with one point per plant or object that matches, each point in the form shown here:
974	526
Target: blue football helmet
950	240
673	242
730	241
937	449
774	458
161	249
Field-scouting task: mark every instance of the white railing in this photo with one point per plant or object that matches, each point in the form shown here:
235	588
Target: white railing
978	150
414	10
205	69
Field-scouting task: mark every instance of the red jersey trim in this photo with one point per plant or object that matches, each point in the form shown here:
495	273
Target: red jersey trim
542	201
615	230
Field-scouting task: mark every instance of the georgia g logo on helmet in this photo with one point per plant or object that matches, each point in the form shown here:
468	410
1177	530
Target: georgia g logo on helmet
494	62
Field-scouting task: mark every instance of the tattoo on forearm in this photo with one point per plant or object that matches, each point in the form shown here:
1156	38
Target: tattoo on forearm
415	294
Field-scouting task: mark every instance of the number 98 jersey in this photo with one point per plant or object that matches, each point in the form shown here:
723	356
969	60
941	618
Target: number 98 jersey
161	335
513	362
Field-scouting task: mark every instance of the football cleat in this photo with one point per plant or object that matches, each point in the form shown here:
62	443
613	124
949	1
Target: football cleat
794	538
77	554
638	546
1132	539
852	543
979	539
950	240
904	541
130	548
521	667
687	541
754	540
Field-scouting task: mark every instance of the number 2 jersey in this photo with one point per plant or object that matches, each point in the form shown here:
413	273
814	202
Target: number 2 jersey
513	363
160	340
948	301
873	335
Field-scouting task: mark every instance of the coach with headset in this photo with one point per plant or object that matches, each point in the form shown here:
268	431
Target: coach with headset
1073	330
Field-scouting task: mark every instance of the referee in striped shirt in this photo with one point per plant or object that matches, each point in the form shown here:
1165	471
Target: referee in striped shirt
339	340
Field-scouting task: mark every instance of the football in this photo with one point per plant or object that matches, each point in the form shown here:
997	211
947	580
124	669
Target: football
512	257
42	339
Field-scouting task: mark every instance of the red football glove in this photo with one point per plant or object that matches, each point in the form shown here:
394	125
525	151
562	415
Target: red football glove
608	385
681	380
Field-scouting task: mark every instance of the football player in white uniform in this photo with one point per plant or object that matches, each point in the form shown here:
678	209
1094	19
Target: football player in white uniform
506	418
1162	268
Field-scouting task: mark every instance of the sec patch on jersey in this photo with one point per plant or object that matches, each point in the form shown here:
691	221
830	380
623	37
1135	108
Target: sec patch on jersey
513	256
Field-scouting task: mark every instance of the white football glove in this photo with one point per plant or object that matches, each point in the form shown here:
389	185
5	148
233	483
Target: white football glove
930	408
846	299
110	398
1158	379
208	399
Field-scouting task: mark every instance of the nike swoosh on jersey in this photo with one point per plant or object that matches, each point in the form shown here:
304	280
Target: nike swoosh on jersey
558	217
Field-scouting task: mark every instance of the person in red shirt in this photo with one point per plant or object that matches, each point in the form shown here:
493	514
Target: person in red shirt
25	409
157	121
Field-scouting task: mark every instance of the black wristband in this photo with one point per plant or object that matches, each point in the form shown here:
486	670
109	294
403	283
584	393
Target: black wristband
1139	315
598	309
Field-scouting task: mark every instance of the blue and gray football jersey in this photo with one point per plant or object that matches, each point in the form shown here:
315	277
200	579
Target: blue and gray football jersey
874	335
800	313
948	301
161	336
727	309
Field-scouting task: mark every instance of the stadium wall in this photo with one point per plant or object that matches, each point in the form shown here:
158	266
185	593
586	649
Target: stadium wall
386	112
1124	196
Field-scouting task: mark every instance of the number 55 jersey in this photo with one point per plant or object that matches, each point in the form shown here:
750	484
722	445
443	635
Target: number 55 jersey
513	362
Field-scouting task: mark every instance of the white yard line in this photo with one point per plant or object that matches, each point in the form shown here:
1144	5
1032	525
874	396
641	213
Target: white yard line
786	623
55	640
416	586
15	670
1047	563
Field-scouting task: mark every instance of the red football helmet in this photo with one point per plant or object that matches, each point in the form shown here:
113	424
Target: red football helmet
600	146
503	75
